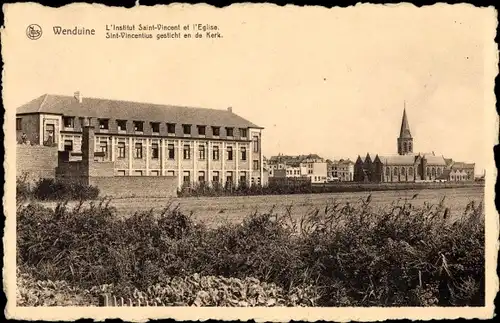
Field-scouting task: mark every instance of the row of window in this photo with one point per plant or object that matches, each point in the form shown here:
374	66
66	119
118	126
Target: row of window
138	126
186	175
429	171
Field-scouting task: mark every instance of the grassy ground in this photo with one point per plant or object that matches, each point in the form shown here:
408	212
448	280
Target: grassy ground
214	211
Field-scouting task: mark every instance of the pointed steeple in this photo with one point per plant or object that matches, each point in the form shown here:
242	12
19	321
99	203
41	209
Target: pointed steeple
405	127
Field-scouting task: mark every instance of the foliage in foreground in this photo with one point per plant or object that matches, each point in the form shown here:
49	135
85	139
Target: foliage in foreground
194	290
50	189
351	255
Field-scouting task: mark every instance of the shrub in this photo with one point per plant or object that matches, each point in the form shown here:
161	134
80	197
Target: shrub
49	189
351	254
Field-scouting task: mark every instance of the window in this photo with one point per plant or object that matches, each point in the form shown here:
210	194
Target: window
68	145
243	178
104	147
215	153
170	173
186	177
171	151
410	171
122	125
229	177
403	171
201	176
201	130
138	126
433	172
255	165
138	150
439	172
138	173
155	127
428	172
171	128
201	152
121	172
19	124
229	150
215	177
187	152
216	131
69	122
155	173
243	153
103	124
121	150
229	131
256	143
243	132
155	151
186	129
387	171
395	171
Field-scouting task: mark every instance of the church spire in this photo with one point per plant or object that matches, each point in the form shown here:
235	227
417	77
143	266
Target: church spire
405	140
405	127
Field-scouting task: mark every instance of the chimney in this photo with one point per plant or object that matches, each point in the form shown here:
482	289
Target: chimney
230	109
78	96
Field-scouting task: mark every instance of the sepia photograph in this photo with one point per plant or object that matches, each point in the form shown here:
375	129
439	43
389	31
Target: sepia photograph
251	162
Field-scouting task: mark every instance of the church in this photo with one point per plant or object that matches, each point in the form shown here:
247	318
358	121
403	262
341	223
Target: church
407	166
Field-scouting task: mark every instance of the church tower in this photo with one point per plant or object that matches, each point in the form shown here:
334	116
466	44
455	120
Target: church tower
405	141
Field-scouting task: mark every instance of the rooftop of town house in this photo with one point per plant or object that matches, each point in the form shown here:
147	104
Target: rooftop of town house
128	110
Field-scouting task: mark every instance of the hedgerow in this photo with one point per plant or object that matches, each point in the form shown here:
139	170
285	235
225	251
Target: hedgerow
349	254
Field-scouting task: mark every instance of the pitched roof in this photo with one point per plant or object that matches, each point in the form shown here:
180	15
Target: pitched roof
461	165
398	159
435	160
405	127
127	110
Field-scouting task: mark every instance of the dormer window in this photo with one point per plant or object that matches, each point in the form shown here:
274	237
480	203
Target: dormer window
216	131
155	127
229	131
201	130
69	122
186	129
243	132
103	124
138	126
122	125
171	128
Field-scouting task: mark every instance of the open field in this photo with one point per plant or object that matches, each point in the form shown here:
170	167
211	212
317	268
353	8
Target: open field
217	210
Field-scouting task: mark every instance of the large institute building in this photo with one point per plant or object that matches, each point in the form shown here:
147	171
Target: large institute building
407	166
193	144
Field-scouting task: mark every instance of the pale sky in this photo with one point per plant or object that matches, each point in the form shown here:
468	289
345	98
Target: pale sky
330	82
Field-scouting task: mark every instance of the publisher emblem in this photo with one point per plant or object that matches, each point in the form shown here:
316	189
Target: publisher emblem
34	31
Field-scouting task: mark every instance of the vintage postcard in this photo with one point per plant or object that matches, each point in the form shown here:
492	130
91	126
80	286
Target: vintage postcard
250	162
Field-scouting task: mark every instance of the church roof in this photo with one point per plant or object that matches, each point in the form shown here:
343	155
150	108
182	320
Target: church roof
398	160
405	127
435	160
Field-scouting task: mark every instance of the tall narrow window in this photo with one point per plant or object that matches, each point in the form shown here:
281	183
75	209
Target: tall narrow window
243	153
215	177
201	130
186	177
155	151
243	132
187	152
121	150
229	153
201	152
19	124
171	151
215	153
255	165
104	148
256	143
229	131
138	150
201	176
